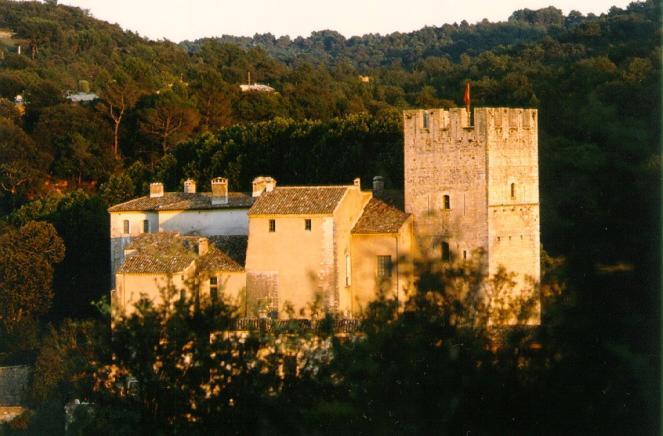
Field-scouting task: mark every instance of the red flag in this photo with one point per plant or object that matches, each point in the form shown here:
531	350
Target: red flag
466	97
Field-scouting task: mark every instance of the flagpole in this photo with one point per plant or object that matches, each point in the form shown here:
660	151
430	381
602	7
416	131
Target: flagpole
467	100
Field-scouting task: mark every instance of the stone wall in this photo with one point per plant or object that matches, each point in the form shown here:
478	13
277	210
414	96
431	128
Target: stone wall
489	171
447	158
14	385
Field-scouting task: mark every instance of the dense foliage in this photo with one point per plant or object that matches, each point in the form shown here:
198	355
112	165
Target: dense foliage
169	111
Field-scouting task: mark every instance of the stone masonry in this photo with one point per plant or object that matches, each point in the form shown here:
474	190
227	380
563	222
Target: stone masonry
474	188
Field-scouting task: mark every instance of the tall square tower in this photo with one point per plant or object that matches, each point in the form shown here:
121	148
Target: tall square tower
474	187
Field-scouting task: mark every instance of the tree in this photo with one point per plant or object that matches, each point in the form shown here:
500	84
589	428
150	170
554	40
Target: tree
170	119
117	189
212	96
39	31
118	95
28	255
22	164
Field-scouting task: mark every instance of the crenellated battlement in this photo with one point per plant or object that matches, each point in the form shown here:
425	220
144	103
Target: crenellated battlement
456	124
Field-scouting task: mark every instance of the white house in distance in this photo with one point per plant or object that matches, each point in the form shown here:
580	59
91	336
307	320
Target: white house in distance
218	212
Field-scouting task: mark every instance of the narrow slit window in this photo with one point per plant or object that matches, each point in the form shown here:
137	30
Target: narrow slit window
446	252
125	227
348	271
272	225
447	202
307	225
464	254
214	289
426	120
513	190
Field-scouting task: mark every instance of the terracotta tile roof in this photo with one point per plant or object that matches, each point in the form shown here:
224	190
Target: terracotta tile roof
217	260
183	201
295	200
233	246
159	253
166	252
380	217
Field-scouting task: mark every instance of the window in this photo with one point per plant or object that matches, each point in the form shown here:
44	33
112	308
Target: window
446	252
307	225
513	191
464	254
125	227
146	226
272	225
447	202
213	289
348	270
384	267
426	120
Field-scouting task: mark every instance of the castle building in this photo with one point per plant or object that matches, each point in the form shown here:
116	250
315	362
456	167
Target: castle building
470	192
473	188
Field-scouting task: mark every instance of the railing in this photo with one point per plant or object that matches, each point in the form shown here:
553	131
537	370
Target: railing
343	325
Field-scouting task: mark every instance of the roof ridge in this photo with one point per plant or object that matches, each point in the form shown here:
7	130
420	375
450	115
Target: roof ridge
313	186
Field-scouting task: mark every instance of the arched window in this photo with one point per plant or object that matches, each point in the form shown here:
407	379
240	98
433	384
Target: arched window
513	191
426	120
447	202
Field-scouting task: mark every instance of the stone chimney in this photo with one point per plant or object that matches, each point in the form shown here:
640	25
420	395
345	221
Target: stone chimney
357	182
189	186
203	246
219	190
378	185
156	190
263	184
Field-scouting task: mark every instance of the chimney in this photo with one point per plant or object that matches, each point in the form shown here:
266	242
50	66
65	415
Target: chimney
357	182
263	184
189	186
378	185
203	246
156	190
219	190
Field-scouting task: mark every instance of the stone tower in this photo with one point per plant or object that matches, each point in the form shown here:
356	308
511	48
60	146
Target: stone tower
475	188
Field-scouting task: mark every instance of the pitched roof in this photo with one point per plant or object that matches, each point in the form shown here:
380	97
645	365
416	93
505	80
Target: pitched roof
217	260
159	253
233	246
295	200
169	253
183	201
380	217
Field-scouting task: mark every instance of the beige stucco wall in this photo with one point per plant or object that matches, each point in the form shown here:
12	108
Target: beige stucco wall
284	265
294	266
345	217
205	222
365	249
232	286
131	287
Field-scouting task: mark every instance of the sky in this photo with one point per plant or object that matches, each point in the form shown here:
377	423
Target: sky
178	20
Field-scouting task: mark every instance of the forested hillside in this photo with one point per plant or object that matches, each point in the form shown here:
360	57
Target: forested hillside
167	111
